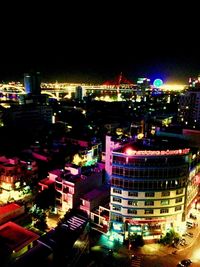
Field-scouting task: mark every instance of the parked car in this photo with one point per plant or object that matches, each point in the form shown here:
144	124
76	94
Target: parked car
110	252
186	262
193	216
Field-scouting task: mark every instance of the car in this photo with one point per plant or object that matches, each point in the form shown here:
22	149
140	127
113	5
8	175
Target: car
180	265
192	216
186	262
110	252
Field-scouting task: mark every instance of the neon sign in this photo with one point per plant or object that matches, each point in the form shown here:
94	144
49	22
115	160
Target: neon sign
131	152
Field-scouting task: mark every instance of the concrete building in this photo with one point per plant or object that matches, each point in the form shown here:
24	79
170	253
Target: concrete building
71	184
10	211
15	177
25	116
152	187
94	199
189	105
16	240
79	93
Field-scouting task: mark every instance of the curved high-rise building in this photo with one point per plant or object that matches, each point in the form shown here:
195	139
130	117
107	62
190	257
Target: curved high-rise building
148	189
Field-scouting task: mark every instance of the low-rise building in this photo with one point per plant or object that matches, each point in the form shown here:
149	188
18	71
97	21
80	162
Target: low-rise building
16	240
94	198
71	184
10	211
15	177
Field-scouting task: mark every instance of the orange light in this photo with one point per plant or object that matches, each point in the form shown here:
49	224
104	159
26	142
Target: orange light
129	151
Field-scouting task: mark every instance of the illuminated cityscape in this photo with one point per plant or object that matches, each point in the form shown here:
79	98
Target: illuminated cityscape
92	174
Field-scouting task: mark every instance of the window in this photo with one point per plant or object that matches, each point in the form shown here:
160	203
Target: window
164	202
149	203
117	199
148	211
116	208
179	199
179	191
165	193
115	217
164	210
149	194
117	191
133	194
132	202
177	208
131	211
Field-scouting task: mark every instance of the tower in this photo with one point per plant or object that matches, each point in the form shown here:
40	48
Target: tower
32	83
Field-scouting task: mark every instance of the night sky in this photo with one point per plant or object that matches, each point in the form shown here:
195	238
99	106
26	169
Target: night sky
95	45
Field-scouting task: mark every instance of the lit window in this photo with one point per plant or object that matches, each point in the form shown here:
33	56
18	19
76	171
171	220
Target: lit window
165	193
179	199
179	191
132	202
117	191
116	208
164	202
149	203
148	211
131	211
164	210
116	199
149	194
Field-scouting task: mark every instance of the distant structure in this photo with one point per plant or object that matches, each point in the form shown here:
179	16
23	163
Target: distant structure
32	83
189	105
33	110
118	81
79	93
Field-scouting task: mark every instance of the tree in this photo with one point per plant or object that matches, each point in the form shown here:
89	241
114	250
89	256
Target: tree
46	198
136	240
170	238
39	217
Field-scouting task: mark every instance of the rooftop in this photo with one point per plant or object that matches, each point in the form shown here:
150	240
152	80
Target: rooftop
8	208
46	181
95	193
175	145
16	237
92	194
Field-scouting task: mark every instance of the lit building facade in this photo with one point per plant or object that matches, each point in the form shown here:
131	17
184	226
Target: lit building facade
71	184
15	177
149	189
32	83
189	105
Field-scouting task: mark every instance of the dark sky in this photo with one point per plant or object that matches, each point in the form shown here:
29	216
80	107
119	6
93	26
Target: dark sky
97	44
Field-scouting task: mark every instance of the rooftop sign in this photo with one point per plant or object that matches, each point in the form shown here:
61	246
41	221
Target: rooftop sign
131	152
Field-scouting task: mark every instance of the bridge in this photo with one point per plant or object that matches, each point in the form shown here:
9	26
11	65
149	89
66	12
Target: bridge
65	90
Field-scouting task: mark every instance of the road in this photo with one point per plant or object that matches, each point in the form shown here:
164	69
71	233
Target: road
170	260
